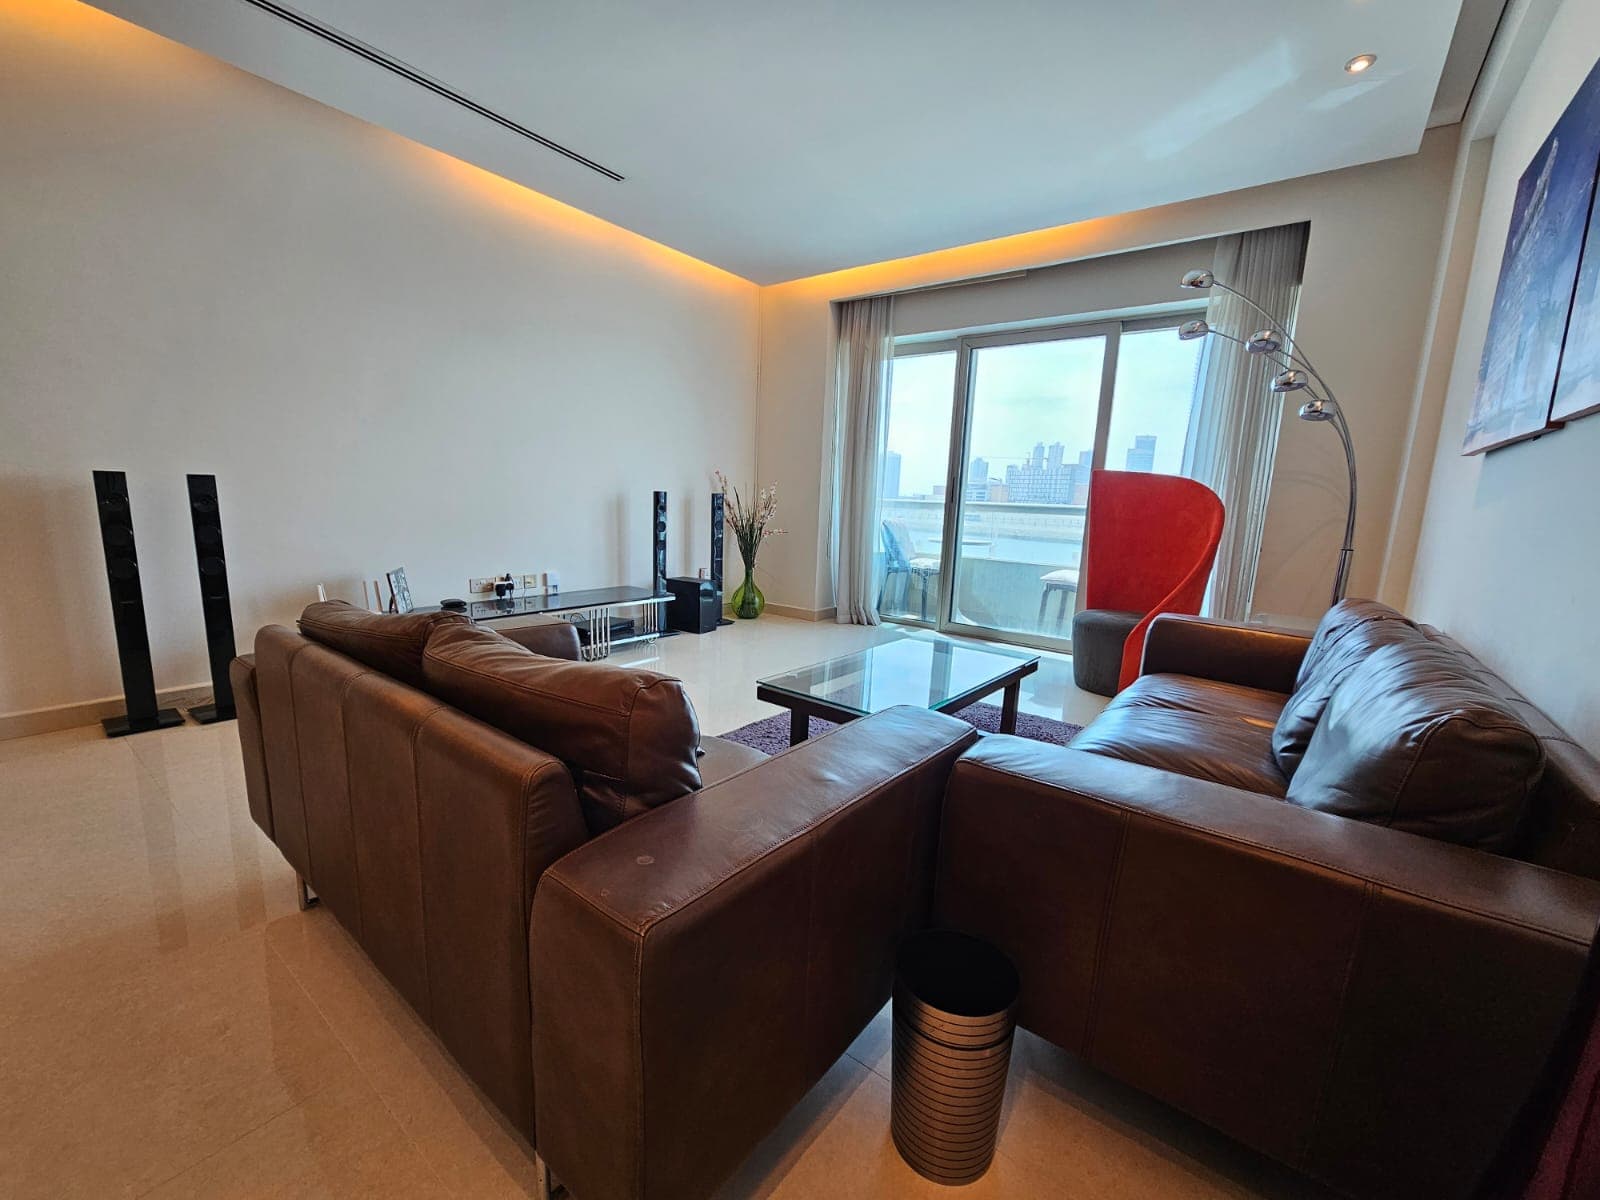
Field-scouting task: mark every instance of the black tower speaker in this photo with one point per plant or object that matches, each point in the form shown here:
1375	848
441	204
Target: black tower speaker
214	603
658	544
127	612
719	530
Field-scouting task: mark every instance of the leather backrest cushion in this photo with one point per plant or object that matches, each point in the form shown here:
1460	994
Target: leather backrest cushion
388	642
1340	621
1347	634
629	736
1412	739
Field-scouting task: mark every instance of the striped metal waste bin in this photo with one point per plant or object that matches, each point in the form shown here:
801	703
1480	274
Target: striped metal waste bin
955	1003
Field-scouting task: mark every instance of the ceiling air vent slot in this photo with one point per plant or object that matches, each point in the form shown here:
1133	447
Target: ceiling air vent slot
395	66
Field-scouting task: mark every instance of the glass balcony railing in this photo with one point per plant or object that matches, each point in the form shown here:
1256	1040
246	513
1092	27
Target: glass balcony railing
1017	567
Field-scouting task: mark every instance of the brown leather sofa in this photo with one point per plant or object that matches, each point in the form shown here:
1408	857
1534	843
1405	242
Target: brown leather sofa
1194	910
644	955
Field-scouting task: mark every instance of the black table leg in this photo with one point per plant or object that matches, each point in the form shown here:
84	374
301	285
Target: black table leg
1008	708
800	726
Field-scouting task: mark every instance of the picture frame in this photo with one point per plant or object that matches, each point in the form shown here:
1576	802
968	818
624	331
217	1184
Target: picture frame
399	591
1533	302
1578	377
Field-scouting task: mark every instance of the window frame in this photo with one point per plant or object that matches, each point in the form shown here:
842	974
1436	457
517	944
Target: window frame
963	344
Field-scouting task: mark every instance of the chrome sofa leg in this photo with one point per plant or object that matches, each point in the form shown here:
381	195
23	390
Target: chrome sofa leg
303	894
545	1185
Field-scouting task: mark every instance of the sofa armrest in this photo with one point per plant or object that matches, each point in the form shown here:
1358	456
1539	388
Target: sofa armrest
551	637
247	706
697	969
1254	656
1369	1006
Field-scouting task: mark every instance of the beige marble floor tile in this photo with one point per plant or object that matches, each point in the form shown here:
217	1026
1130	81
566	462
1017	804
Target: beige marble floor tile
16	749
138	882
465	1140
1079	1129
340	1143
836	1143
111	1086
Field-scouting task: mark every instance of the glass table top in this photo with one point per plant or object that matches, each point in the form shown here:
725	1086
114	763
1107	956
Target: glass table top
926	672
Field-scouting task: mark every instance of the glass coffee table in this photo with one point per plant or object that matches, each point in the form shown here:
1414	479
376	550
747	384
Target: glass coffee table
931	673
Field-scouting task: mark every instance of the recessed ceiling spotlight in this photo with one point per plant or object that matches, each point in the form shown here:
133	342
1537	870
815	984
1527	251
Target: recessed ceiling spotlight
1360	63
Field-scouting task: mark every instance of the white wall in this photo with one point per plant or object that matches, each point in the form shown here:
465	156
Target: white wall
386	356
1509	554
1370	259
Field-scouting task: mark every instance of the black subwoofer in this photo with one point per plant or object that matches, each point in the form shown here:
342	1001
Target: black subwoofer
214	602
142	713
696	605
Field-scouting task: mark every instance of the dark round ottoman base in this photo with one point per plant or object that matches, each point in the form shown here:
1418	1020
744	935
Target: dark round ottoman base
1098	637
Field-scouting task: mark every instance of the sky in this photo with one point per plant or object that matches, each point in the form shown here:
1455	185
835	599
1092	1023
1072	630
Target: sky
1042	392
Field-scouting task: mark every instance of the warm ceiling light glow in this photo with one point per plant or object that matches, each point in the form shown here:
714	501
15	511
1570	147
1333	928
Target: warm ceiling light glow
1360	63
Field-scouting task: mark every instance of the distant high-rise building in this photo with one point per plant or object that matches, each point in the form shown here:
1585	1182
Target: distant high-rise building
978	479
891	475
1045	478
1142	454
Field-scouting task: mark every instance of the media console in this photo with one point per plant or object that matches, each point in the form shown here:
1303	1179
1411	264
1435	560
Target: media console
593	611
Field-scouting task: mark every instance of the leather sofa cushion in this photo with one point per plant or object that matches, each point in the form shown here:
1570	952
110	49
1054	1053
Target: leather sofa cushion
629	736
1413	739
388	642
1219	732
1349	632
1191	694
721	759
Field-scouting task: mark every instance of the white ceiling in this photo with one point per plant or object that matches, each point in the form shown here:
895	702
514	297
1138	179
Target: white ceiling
782	138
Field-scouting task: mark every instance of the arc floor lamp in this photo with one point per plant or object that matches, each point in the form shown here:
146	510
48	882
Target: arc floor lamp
1296	375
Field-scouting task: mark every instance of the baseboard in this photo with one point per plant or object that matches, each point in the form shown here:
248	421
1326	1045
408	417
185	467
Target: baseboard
89	712
801	614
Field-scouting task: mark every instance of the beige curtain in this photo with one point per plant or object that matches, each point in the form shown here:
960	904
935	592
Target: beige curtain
865	360
1233	425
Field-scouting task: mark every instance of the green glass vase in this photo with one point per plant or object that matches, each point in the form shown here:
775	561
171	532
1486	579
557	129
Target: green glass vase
747	601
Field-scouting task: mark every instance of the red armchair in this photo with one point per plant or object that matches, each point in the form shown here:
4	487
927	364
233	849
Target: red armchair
1151	541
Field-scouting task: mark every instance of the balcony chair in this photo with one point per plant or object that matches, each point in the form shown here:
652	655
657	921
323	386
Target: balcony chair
901	558
1151	541
1063	585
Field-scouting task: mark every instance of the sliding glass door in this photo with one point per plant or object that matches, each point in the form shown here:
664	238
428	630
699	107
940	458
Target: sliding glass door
993	547
1033	408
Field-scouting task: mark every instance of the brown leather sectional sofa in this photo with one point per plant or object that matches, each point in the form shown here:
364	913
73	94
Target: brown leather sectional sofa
1368	1005
645	955
707	934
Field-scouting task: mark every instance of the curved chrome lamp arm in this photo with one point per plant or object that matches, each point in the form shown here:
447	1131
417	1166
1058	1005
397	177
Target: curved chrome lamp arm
1341	577
1328	404
1286	364
1278	324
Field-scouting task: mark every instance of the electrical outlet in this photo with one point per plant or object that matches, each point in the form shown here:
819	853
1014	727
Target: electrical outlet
480	586
530	582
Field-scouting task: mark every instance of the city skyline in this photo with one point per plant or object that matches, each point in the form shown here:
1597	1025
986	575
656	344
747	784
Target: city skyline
1043	476
1046	392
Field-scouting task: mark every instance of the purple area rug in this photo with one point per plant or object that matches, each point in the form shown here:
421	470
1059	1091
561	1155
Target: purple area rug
771	734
